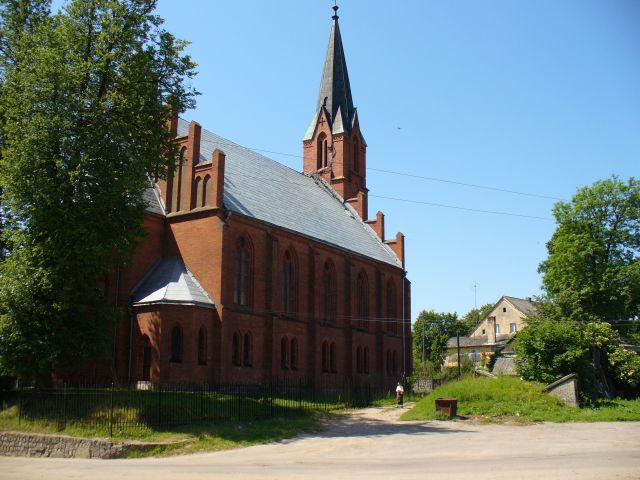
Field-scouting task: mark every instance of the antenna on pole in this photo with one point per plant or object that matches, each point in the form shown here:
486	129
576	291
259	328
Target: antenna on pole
475	300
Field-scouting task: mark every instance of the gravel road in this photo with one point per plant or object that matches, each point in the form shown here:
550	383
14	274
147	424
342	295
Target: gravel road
373	444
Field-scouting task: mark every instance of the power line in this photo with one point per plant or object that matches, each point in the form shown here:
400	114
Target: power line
455	207
404	174
473	185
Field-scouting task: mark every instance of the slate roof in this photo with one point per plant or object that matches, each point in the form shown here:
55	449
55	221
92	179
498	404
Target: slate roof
335	86
170	282
505	366
153	201
257	187
525	306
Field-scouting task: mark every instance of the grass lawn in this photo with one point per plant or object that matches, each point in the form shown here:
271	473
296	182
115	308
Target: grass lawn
193	438
509	399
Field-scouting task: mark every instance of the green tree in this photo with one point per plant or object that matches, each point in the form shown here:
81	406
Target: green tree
473	317
431	332
85	97
549	349
592	272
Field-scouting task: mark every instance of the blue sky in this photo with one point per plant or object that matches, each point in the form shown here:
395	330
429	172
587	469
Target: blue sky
540	97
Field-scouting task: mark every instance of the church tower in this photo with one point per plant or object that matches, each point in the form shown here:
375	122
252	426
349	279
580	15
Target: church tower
333	145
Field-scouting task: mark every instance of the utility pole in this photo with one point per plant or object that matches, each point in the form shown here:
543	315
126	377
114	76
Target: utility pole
475	300
458	344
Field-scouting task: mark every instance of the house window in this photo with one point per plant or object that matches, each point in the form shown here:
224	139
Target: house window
475	356
497	328
483	331
392	311
329	287
294	354
247	350
284	354
202	346
241	273
176	345
235	350
288	284
504	309
513	328
362	297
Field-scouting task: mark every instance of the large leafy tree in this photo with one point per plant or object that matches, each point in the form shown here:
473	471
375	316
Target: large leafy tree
430	334
85	97
592	272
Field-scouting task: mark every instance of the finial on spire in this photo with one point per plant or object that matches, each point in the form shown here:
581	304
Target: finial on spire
335	9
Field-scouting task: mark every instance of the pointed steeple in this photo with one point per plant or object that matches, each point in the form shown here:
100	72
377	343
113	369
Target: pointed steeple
335	90
333	144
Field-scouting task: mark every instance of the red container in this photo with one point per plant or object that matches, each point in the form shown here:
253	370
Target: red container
448	406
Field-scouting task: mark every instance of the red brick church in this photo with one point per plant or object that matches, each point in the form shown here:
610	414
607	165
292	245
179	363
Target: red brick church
252	271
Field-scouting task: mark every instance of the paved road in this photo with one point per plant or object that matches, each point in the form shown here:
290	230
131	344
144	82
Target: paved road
372	444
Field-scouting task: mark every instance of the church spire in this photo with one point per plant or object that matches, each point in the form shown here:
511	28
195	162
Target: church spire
335	90
333	144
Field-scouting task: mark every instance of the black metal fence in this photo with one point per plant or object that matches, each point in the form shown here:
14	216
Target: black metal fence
117	409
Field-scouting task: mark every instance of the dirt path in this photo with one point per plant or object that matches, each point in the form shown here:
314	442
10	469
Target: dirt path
373	443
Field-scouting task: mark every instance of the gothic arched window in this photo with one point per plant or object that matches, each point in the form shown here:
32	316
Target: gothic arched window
332	358
247	350
392	311
323	151
293	359
325	357
365	360
206	192
359	360
284	354
362	299
288	284
202	346
329	293
198	189
176	344
242	276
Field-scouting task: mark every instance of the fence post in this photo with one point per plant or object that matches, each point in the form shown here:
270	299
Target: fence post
19	405
159	404
64	406
111	413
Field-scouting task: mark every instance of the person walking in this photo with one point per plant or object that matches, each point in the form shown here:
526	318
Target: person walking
399	395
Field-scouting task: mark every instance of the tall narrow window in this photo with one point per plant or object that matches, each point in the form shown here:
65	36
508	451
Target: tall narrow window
247	350
329	294
176	344
359	360
389	371
235	350
323	151
202	346
284	354
293	359
241	274
197	185
365	360
392	311
362	297
332	358
206	192
325	357
288	284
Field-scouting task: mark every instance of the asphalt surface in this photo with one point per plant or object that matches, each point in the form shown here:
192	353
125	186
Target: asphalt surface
373	444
